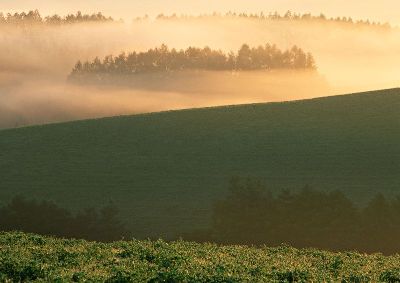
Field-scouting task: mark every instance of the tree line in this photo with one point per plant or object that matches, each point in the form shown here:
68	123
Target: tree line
309	218
275	16
248	215
34	18
47	218
163	59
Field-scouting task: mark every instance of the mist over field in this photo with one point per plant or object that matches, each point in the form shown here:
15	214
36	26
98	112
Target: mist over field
35	63
286	149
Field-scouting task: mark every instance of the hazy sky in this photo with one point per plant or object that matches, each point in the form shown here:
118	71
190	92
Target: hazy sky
381	10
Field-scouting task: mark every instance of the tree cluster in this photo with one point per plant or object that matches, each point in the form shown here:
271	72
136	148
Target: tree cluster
309	218
34	18
163	59
46	218
288	16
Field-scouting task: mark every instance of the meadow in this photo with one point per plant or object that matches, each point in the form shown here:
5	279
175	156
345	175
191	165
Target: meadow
28	257
164	171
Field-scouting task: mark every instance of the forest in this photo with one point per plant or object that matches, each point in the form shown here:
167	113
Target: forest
34	18
163	59
251	215
47	218
275	16
248	215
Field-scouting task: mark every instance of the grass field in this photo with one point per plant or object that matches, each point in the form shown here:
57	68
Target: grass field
165	170
26	257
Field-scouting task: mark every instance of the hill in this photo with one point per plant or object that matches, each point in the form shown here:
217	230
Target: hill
165	170
26	257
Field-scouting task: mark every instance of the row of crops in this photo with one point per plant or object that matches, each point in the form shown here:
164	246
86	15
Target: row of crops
28	257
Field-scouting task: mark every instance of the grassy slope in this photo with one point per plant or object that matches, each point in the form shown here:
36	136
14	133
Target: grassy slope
165	169
31	257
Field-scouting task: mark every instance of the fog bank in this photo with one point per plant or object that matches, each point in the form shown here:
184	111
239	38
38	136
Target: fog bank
34	64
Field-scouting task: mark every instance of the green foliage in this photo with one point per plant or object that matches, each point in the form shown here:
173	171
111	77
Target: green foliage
164	171
23	259
390	276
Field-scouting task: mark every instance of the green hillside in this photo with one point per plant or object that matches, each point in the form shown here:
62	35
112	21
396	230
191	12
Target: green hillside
164	170
26	257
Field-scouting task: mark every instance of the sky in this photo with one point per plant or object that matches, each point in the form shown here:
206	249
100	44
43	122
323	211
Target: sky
376	10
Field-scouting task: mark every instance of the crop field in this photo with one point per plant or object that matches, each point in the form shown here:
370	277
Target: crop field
27	257
164	171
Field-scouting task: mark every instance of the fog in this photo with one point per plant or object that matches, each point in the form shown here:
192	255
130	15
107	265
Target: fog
372	9
35	62
40	101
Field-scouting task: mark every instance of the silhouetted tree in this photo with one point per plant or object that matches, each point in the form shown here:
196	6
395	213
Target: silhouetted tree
241	217
244	58
381	224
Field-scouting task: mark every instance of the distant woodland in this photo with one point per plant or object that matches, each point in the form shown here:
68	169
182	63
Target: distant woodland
163	59
47	218
34	18
249	215
288	16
